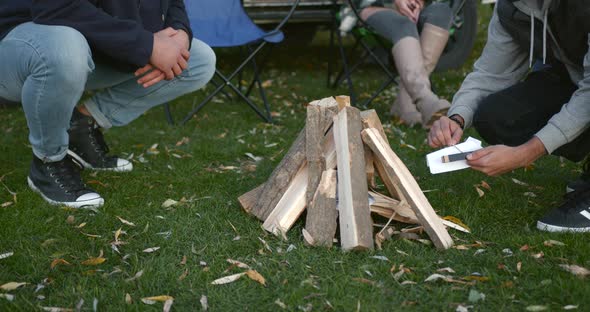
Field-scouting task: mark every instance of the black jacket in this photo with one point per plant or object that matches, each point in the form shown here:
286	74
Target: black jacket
120	29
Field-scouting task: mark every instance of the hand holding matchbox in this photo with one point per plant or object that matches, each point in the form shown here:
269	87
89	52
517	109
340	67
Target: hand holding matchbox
452	158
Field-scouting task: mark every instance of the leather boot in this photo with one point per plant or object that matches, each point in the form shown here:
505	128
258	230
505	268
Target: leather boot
412	69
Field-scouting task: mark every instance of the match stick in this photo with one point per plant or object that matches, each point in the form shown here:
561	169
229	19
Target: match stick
455	157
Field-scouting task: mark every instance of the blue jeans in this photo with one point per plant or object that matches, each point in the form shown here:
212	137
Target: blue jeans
47	68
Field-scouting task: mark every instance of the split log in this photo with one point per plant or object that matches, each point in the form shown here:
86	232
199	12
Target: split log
322	215
370	119
343	101
313	149
356	226
248	200
398	174
280	178
387	207
292	203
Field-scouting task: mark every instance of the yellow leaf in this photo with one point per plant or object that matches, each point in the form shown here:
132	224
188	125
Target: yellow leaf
479	191
161	298
94	261
12	286
81	225
125	221
457	222
253	275
57	262
117	234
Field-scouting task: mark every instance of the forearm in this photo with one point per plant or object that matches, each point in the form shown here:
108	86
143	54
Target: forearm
532	150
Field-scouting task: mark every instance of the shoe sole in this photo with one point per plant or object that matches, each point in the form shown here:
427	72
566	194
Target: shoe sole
559	229
128	167
94	203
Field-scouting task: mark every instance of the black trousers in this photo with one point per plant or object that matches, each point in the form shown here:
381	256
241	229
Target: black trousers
513	115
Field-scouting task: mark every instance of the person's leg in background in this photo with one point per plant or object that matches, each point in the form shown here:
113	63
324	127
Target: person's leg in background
407	54
434	22
512	116
45	68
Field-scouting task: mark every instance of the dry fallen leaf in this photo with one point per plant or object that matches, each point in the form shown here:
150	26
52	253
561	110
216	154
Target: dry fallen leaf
447	270
125	221
519	182
128	299
12	286
239	264
6	255
479	191
183	275
167	305
204	303
8	297
57	262
519	266
161	298
255	276
227	279
56	309
169	203
575	270
536	308
436	277
485	185
151	249
551	243
94	261
136	276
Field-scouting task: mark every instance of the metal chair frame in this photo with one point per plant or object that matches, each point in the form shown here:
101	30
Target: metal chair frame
253	49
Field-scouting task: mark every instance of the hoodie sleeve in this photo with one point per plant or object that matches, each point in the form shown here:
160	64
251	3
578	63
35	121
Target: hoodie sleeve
501	65
123	40
574	116
177	17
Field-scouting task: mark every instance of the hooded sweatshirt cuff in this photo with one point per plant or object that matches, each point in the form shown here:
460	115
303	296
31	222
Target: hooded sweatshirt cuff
464	111
551	137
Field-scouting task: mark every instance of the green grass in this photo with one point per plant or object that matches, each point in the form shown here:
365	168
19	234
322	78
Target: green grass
205	227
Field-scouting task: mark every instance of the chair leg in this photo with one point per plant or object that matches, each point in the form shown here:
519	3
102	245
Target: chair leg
168	114
227	82
346	70
260	69
256	79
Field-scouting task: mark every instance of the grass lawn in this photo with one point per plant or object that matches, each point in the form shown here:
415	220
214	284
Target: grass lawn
505	264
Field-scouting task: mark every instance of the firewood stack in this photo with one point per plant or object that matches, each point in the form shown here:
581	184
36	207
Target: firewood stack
329	169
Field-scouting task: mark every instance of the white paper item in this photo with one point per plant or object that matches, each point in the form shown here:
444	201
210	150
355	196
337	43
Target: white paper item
434	159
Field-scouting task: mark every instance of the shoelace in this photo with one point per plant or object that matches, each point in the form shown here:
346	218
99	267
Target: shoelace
67	176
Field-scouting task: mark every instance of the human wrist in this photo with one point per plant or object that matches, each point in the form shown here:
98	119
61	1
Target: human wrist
532	150
458	120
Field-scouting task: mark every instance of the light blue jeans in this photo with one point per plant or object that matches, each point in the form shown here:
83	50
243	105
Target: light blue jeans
47	68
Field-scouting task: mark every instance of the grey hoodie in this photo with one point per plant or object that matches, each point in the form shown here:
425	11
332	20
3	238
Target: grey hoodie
504	63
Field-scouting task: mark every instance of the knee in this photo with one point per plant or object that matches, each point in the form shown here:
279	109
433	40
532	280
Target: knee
438	14
203	61
488	119
70	60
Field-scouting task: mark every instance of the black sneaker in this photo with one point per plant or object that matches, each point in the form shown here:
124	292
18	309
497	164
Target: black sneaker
583	182
88	147
59	183
572	216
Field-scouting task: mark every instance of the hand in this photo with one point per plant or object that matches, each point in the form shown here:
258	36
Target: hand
168	55
409	8
498	159
156	75
444	132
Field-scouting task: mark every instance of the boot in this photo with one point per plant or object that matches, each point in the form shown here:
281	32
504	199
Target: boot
414	69
404	108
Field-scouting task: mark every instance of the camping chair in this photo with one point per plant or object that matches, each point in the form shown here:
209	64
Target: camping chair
367	39
224	23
